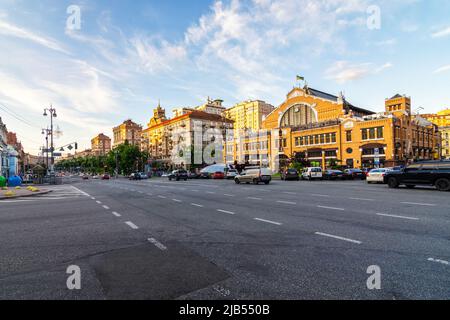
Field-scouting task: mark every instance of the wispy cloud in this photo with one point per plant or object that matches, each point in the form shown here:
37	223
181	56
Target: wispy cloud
14	31
344	71
441	33
442	69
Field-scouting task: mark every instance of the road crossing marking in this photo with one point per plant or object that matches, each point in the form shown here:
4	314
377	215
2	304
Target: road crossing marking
396	216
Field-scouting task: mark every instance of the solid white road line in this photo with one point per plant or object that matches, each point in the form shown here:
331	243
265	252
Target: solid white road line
106	207
286	202
361	199
439	261
225	211
132	225
337	237
419	204
331	208
395	216
196	205
116	214
269	221
158	244
254	198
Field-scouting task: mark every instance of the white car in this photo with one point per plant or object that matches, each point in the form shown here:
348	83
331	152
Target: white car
232	173
377	175
312	173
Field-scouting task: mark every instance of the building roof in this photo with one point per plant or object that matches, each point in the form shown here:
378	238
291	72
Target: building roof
396	96
328	96
196	114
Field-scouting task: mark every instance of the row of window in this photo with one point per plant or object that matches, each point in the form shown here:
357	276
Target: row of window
317	139
372	133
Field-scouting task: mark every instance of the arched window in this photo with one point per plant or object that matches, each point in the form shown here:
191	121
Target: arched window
298	115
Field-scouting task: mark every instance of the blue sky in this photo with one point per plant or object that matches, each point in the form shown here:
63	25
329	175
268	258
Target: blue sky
127	55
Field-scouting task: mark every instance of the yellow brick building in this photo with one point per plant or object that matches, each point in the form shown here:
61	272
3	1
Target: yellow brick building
100	145
442	120
249	114
127	131
325	129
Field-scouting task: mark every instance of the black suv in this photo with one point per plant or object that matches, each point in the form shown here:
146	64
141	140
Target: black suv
178	175
433	173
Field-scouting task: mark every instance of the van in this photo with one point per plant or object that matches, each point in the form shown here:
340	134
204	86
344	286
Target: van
312	173
254	176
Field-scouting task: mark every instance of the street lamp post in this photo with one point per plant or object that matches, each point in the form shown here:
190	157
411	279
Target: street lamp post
52	112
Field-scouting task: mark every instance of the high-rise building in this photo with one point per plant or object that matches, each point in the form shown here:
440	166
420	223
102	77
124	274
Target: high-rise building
249	114
100	145
127	131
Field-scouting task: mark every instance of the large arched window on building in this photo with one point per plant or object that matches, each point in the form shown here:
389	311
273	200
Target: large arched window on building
298	115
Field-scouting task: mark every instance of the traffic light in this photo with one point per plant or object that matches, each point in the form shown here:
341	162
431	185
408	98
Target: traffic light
76	146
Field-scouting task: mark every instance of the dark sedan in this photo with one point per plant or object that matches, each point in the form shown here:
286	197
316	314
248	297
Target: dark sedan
290	174
354	174
333	175
178	175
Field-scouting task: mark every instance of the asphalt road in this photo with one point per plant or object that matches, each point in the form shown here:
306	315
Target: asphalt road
205	239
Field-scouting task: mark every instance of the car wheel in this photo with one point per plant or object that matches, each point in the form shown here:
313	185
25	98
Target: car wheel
410	186
266	182
170	179
393	183
185	179
443	184
298	179
237	181
255	181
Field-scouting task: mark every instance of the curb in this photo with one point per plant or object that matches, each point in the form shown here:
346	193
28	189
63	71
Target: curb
26	195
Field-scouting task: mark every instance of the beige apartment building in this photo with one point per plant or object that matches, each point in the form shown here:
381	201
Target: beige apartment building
127	131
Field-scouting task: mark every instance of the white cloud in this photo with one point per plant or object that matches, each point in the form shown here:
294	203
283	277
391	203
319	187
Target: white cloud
344	71
14	31
441	33
442	69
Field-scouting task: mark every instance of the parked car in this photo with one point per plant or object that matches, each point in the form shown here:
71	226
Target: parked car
433	173
135	176
96	177
178	175
143	175
193	175
354	174
312	173
205	175
232	173
105	176
85	177
290	174
333	175
218	175
255	176
377	175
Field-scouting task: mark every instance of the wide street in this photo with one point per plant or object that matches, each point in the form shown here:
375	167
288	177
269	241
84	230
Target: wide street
206	239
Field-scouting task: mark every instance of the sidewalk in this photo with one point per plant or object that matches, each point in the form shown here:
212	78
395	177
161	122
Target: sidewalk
13	193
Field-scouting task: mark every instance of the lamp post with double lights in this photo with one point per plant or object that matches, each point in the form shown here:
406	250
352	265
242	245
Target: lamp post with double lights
47	132
52	112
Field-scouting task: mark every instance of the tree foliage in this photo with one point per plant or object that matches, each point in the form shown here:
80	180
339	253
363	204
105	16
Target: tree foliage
127	158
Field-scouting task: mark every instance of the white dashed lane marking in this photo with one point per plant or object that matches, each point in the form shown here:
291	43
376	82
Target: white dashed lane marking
225	211
106	207
439	261
361	199
176	200
331	208
132	225
158	244
197	205
162	197
419	204
99	202
253	198
116	214
286	202
337	237
269	221
396	216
